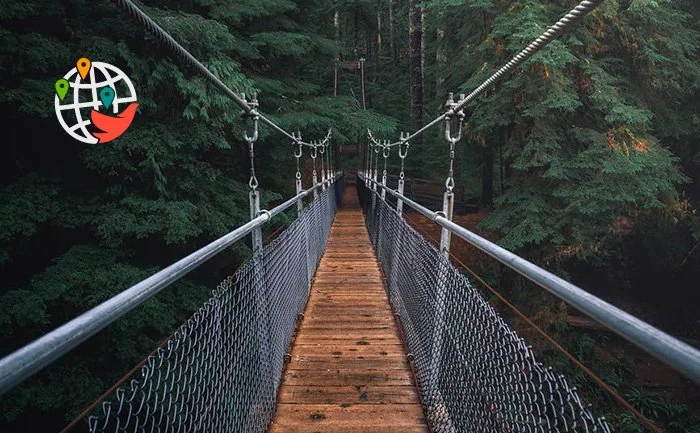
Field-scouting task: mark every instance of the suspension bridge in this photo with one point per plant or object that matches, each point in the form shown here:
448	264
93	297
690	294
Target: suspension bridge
349	320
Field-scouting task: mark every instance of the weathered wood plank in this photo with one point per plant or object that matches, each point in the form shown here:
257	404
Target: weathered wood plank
335	428
366	415
351	362
349	394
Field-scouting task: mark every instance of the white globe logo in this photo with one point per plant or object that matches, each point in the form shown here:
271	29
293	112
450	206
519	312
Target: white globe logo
83	97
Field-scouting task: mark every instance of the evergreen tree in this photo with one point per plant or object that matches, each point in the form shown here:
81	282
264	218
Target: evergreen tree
579	121
83	223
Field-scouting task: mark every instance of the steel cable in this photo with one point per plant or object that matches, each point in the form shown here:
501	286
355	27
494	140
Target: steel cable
182	54
554	31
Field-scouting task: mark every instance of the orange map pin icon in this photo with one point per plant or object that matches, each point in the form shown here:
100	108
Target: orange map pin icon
83	66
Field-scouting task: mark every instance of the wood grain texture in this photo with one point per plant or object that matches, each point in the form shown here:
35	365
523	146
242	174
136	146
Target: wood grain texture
348	371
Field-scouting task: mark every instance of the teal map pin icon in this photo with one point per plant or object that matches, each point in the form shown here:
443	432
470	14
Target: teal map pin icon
62	87
107	96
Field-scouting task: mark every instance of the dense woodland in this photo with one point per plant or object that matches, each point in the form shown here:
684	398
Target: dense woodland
585	161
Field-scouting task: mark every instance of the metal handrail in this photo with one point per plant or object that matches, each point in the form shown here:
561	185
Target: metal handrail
677	354
30	359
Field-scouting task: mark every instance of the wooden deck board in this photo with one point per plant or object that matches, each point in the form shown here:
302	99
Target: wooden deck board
348	371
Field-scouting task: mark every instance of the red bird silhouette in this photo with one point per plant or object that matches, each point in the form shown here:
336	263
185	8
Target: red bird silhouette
112	127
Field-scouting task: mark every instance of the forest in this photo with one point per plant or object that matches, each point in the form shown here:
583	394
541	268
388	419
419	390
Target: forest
585	160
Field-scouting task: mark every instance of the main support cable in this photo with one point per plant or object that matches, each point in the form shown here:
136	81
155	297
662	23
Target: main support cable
553	32
181	53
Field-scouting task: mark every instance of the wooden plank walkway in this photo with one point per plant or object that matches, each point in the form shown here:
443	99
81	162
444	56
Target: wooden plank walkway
348	371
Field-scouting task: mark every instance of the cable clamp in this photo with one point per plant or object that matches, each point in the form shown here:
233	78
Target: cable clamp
265	212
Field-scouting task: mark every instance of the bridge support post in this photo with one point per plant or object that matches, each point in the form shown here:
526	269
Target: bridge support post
384	184
376	163
368	168
399	202
256	235
448	203
374	178
442	261
260	284
300	203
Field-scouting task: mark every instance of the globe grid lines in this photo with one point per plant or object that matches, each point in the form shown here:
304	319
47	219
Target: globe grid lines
79	129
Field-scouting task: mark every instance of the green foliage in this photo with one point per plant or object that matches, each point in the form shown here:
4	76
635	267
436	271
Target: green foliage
82	223
598	136
584	148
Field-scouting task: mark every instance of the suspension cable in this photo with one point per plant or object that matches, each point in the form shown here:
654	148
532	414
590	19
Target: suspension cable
253	182
322	150
403	152
600	382
553	32
452	139
314	154
297	155
182	54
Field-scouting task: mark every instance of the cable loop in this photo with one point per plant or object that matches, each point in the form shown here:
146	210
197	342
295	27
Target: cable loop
404	141
450	182
297	140
265	212
448	119
253	182
253	113
297	154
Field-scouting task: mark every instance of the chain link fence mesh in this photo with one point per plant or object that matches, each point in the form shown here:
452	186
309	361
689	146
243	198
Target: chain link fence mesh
219	372
474	373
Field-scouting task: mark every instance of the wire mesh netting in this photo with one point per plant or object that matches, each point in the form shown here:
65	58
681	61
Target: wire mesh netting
474	373
219	372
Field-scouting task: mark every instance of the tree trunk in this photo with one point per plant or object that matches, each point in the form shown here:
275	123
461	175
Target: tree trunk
415	42
392	48
377	52
356	24
379	29
487	177
501	168
336	73
440	62
502	163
